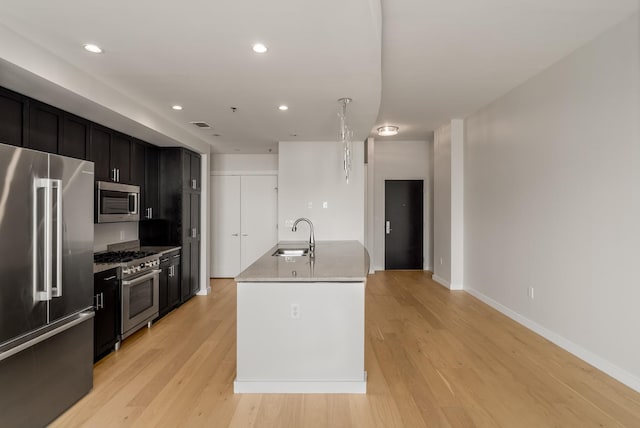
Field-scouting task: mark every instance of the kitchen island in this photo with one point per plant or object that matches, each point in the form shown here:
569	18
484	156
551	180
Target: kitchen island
300	325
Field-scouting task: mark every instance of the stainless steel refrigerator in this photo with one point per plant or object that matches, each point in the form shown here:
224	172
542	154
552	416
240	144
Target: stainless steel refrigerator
46	285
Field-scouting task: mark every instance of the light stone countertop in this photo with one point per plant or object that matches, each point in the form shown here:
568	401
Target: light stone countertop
334	261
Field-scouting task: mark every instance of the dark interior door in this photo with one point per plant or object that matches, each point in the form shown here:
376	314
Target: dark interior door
403	224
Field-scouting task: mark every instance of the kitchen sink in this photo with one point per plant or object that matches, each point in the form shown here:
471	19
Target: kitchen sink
290	252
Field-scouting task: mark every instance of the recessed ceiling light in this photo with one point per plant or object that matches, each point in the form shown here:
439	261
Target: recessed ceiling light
259	48
283	107
177	107
387	131
93	48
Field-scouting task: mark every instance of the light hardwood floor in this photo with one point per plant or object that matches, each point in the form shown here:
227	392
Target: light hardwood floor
434	358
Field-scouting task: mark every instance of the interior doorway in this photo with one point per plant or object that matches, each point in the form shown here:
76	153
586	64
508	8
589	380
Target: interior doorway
404	222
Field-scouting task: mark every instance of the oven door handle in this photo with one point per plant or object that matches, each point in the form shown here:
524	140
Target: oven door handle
142	278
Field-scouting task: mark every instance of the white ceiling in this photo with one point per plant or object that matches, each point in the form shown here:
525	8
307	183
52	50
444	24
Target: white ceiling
440	59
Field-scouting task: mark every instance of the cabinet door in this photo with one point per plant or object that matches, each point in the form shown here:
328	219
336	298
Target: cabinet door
195	171
185	272
225	226
138	164
107	320
121	157
152	179
194	273
100	149
174	281
259	217
45	130
194	213
186	170
12	118
163	285
75	137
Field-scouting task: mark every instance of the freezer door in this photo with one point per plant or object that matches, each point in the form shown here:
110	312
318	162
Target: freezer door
47	375
23	305
72	262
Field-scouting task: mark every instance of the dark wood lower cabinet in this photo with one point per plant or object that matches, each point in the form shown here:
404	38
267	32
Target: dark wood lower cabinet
169	289
106	325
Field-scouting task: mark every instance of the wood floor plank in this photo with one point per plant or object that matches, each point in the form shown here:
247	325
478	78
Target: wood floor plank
434	358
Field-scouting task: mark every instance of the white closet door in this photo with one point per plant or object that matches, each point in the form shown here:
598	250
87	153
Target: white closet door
259	216
225	226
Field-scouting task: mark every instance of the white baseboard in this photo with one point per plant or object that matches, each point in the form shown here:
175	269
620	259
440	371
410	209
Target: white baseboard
204	292
598	362
440	281
301	387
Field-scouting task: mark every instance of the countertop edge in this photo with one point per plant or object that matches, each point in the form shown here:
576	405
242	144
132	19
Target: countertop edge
243	278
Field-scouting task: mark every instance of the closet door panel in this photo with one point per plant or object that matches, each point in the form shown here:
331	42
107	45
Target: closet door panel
259	216
225	226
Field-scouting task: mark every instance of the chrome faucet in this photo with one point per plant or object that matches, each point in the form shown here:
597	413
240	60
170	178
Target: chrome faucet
312	238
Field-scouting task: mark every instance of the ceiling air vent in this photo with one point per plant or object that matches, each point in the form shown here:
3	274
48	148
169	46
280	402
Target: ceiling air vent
203	125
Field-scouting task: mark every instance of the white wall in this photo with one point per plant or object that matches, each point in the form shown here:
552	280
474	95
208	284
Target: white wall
552	201
442	204
310	174
400	160
230	163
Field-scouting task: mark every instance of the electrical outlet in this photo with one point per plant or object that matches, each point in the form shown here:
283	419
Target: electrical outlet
325	205
295	311
530	291
440	260
309	204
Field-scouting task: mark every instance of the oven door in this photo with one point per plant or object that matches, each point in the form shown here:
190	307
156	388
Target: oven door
139	301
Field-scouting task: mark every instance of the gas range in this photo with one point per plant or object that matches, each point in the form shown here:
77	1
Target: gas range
131	262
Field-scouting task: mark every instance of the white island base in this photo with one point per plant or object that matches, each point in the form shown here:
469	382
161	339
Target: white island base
300	337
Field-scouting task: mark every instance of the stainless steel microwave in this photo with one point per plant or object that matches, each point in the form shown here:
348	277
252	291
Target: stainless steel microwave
117	202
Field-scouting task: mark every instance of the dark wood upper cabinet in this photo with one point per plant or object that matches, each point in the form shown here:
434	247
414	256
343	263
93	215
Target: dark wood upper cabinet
191	170
75	137
45	128
152	180
100	149
195	170
13	114
121	157
138	150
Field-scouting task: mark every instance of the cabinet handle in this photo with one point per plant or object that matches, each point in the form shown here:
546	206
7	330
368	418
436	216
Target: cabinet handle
234	234
118	175
245	234
113	175
194	184
151	212
193	232
177	256
99	301
164	260
110	278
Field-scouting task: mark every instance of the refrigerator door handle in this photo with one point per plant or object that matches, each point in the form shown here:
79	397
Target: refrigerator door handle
82	317
38	294
57	290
